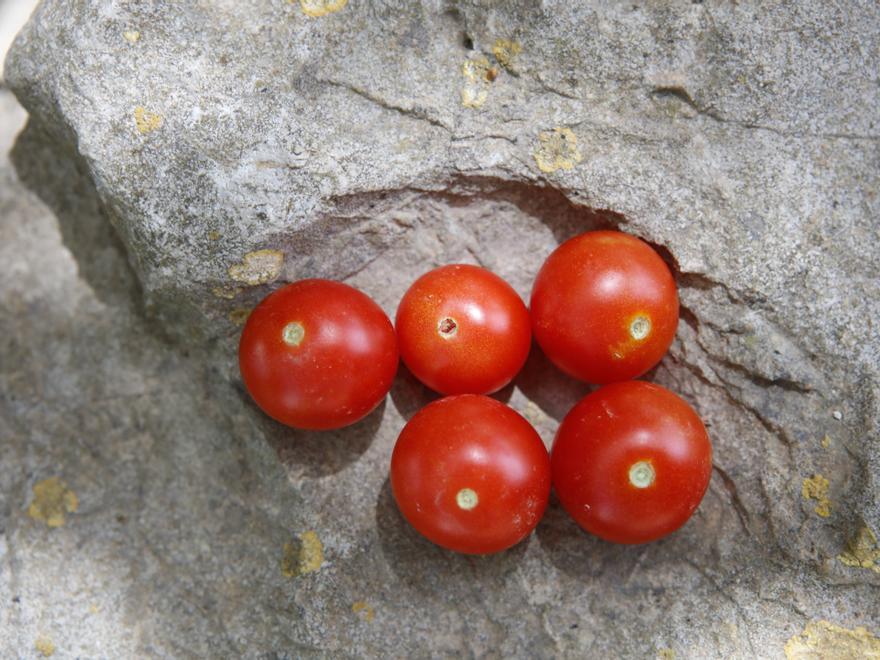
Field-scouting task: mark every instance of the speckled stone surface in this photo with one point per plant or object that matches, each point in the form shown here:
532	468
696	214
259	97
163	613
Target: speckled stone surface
184	159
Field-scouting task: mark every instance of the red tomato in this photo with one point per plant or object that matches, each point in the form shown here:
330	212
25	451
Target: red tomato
631	462
318	354
470	474
462	329
604	307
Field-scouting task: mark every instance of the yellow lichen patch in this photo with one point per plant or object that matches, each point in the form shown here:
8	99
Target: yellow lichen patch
239	315
131	36
816	488
363	608
827	641
227	292
478	74
505	50
213	235
557	149
258	267
826	441
303	556
52	499
862	551
472	97
318	8
146	121
44	646
665	654
478	69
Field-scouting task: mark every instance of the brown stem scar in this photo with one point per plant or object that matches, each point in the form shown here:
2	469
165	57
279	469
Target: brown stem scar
447	327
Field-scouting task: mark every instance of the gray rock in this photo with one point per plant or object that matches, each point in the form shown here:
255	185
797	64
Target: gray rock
194	156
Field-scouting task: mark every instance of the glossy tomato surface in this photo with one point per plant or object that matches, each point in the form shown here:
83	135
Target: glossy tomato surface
604	307
462	329
470	474
318	354
631	462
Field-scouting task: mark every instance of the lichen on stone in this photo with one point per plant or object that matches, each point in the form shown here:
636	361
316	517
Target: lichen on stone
862	551
364	609
816	488
258	267
301	556
318	8
239	315
226	292
44	646
52	500
479	74
822	640
146	121
505	50
557	149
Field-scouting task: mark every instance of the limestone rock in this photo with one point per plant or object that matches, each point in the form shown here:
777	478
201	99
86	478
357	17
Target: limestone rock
229	147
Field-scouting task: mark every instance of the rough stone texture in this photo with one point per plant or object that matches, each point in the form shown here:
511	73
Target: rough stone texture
169	142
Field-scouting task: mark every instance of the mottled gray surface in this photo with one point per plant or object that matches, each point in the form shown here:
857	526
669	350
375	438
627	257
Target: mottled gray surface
168	141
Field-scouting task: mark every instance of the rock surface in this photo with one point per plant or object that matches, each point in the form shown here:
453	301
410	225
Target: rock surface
193	156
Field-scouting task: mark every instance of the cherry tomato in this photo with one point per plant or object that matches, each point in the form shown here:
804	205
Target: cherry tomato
631	462
462	329
604	307
318	354
470	474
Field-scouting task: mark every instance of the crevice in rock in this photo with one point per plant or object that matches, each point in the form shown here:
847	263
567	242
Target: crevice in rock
725	386
681	94
724	594
733	493
689	317
413	112
788	384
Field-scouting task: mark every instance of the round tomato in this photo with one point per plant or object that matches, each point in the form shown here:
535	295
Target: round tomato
604	307
470	474
318	354
462	329
631	462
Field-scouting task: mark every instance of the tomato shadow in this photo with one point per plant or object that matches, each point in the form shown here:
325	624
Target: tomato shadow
585	557
503	395
429	569
317	453
409	394
543	383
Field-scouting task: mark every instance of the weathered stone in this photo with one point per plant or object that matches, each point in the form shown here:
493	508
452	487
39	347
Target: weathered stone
235	146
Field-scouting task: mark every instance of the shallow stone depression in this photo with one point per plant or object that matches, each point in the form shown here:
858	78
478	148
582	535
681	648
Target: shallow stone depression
382	242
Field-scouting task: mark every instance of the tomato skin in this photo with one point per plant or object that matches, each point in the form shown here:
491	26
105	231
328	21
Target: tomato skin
591	301
491	337
340	370
609	432
470	442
